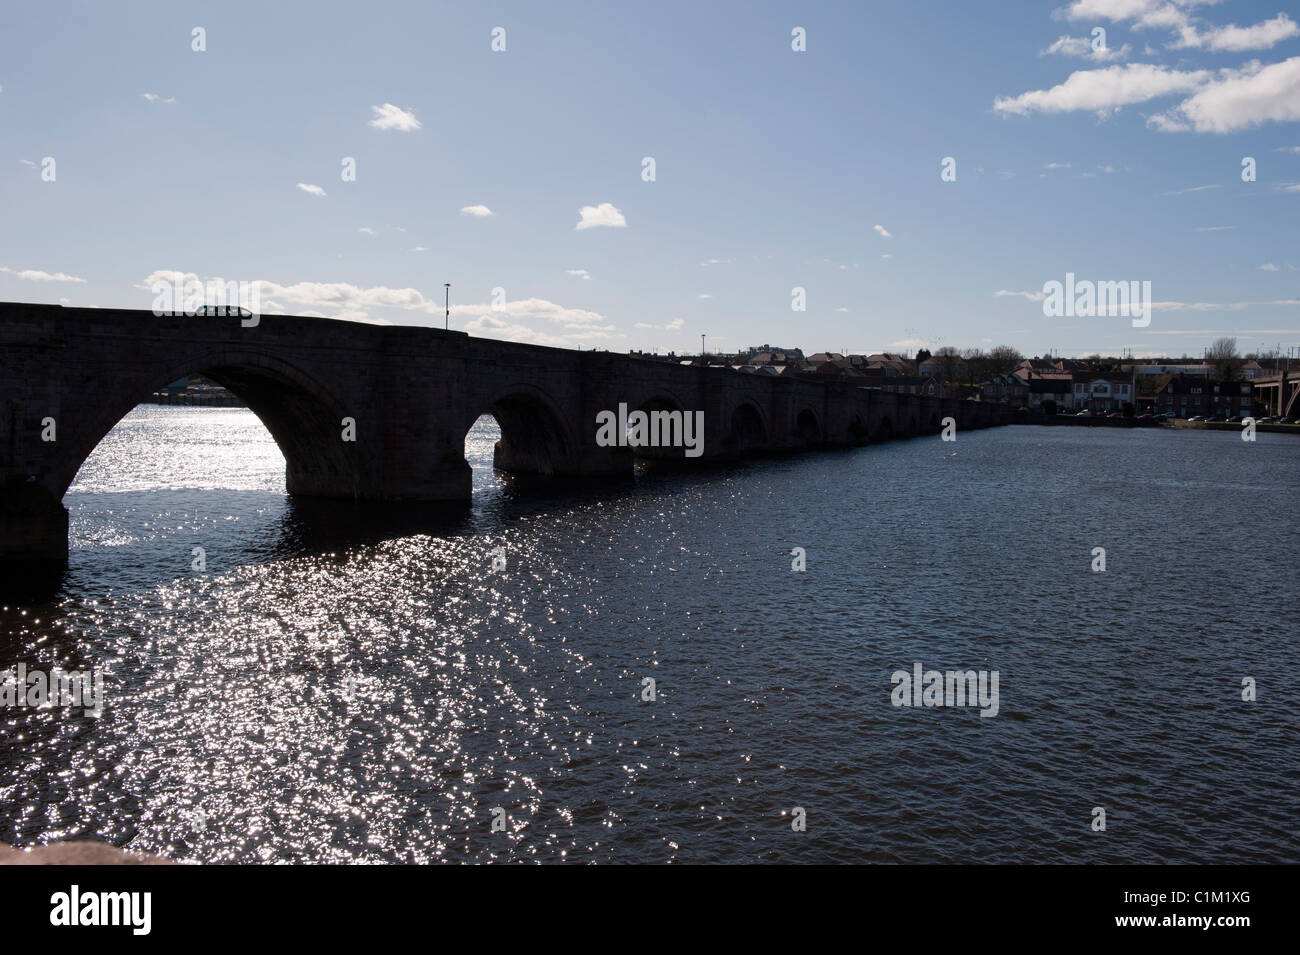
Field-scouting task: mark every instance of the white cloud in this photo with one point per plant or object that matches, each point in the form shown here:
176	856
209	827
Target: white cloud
1238	100
1169	15
716	262
389	116
1219	306
1109	9
1069	46
1191	32
314	190
841	309
1234	39
479	211
332	296
675	325
419	248
36	275
1082	46
1105	90
1058	165
367	230
540	309
704	295
1214	228
155	98
1032	296
906	344
579	273
1268	267
27	162
567	327
884	233
591	217
1181	192
511	323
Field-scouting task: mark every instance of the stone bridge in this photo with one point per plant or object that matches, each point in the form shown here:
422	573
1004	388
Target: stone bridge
68	375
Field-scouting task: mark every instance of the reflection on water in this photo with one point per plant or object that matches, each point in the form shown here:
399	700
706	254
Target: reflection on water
363	688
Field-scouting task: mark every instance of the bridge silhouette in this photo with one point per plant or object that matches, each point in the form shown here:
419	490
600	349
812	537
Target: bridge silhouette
407	395
1278	394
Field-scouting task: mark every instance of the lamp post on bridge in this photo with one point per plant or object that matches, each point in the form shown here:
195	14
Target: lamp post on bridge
446	319
704	360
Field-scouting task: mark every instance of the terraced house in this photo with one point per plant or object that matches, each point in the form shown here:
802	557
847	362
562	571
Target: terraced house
1186	396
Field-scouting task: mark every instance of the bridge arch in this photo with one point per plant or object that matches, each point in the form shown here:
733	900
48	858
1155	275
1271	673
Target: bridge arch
661	400
535	439
303	417
747	428
807	429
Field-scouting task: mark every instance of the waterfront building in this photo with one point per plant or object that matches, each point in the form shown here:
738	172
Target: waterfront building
1187	396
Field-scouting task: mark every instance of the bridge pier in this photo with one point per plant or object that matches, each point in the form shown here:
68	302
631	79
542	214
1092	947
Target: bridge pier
33	526
589	460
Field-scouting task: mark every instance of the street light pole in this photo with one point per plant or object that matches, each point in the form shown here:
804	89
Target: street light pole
703	359
446	319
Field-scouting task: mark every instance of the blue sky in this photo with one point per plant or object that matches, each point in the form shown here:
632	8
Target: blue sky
773	167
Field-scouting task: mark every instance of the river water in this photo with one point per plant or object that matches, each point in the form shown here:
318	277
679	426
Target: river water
333	688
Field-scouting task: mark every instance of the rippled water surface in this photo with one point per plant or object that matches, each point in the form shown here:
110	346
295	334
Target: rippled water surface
347	687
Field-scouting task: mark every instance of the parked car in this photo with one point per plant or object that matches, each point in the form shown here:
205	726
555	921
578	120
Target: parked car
1286	421
1115	414
1084	414
1265	420
1198	417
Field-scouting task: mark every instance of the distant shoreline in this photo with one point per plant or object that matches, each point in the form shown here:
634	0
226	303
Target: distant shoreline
1176	424
195	399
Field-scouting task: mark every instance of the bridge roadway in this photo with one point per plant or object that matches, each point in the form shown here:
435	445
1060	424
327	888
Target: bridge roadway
68	375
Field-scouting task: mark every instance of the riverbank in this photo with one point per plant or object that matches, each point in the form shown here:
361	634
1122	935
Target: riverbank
1180	424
